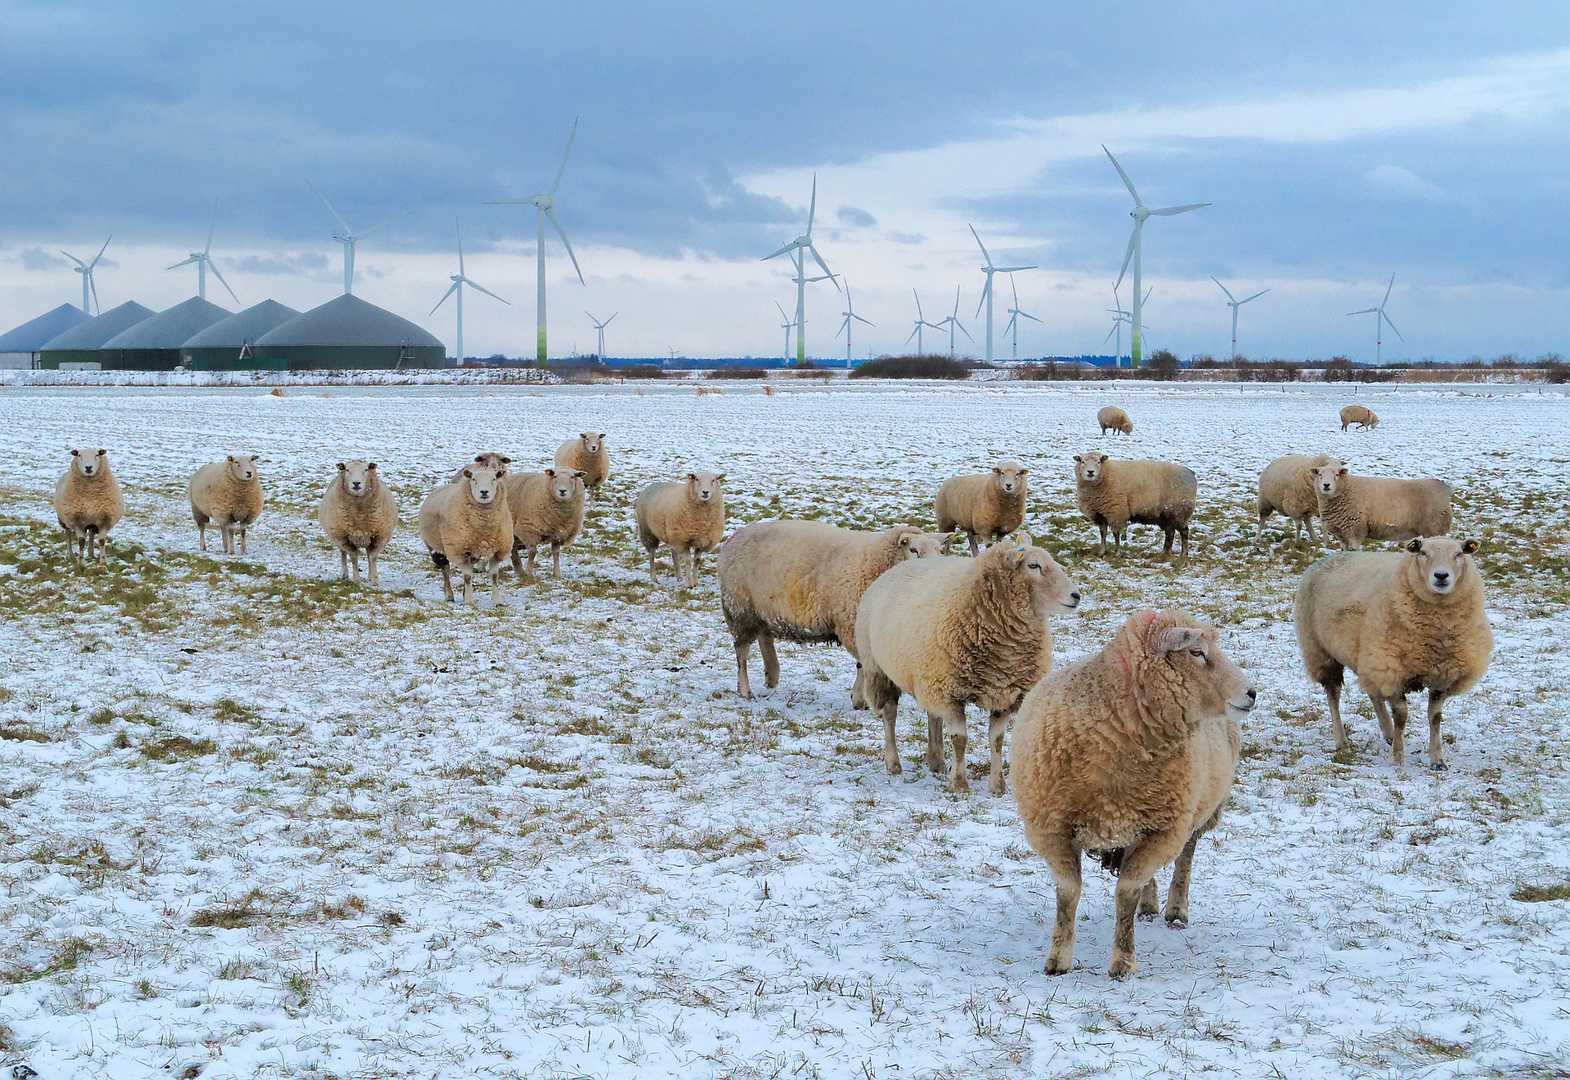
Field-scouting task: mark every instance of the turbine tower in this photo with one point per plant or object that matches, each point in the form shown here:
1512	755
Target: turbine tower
921	320
986	292
798	249
599	328
348	237
788	325
1140	214
545	207
458	282
203	259
86	270
849	314
1120	316
952	321
1379	318
1234	304
1012	326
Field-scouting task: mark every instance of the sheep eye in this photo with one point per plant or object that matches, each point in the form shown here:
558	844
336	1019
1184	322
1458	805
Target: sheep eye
1197	652
1034	565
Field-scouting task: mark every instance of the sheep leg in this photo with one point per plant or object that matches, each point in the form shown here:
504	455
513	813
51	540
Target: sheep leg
529	566
1398	728
70	542
466	571
355	559
1436	753
1177	892
517	558
891	760
555	561
1259	526
1167	533
1383	714
447	580
496	580
973	546
1183	532
936	762
1140	863
201	535
242	539
1102	550
343	565
370	567
858	688
1337	728
226	535
954	727
1064	862
652	575
771	660
693	555
743	684
1149	900
997	727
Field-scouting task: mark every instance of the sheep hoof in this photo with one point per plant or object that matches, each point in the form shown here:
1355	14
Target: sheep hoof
1120	971
1147	916
1439	766
1052	969
959	784
1178	922
997	786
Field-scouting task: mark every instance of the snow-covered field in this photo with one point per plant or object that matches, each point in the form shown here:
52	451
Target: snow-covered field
255	822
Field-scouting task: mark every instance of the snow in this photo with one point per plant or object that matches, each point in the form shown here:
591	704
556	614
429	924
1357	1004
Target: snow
548	840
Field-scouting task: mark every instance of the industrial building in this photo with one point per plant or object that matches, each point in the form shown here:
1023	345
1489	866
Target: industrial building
80	345
347	332
229	343
154	343
20	347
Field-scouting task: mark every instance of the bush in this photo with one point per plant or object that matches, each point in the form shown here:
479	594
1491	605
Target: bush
911	367
643	371
1161	364
738	373
1047	372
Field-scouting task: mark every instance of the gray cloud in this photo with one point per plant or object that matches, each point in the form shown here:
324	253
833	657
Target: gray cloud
38	259
855	217
280	264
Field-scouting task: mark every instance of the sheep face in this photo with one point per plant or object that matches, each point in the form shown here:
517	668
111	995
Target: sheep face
484	483
1050	588
565	483
492	461
1090	468
242	467
356	477
591	442
1437	565
1010	476
1213	684
705	486
920	545
89	462
1327	478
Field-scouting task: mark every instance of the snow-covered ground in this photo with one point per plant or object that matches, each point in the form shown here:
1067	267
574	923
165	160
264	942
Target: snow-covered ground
254	822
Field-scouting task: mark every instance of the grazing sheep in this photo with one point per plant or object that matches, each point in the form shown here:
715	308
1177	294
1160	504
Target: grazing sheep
1357	414
229	495
1357	508
469	525
1115	419
488	459
88	503
1402	621
588	455
358	514
547	508
1114	493
1129	754
953	631
689	516
801	581
1286	487
990	505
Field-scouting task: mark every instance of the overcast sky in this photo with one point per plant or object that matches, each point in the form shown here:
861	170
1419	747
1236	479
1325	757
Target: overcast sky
1338	142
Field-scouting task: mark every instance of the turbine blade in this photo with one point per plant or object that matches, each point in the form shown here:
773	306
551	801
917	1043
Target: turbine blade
819	259
1148	291
211	225
607	322
77	261
1126	181
93	285
383	225
1014	290
1012	269
1114	330
329	206
912	335
450	290
459	227
1392	285
813	210
962	329
214	268
1032	318
563	167
1224	288
1256	296
919	315
507	202
858	318
563	234
488	292
186	262
1127	255
788	247
100	252
1393	327
986	291
1168	211
979	244
782	310
1365	311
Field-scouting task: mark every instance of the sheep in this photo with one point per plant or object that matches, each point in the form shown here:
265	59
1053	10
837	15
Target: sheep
358	514
1129	754
229	495
1114	493
469	524
588	455
990	505
801	581
1402	621
489	460
1286	486
689	516
547	507
1115	419
950	631
1356	508
88	503
1357	414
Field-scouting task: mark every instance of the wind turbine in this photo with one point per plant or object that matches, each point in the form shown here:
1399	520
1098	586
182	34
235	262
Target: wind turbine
1380	317
458	282
86	270
799	248
1140	214
849	314
545	207
1012	326
952	321
203	259
348	237
921	320
788	325
599	328
986	292
1234	304
1119	317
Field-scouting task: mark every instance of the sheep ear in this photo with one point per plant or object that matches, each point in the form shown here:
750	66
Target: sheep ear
579	474
342	467
1078	458
997	469
1341	471
1178	638
76	453
551	473
102	451
231	457
692	476
1415	545
718	478
501	473
1023	470
479	458
602	434
370	466
469	474
1470	547
506	460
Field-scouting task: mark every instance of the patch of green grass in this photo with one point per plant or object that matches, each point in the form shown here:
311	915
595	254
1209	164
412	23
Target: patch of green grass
1537	894
176	748
22	733
232	914
66	957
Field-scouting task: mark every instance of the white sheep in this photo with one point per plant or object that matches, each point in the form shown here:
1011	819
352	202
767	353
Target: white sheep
488	459
358	513
1114	419
1357	508
469	525
227	494
689	516
990	505
588	455
1402	621
1129	754
801	581
1286	487
547	508
950	631
1114	493
88	503
1357	414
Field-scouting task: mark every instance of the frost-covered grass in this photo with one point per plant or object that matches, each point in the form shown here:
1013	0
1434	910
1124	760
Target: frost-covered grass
259	821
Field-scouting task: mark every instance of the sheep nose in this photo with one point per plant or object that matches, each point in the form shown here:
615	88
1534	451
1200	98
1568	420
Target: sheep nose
1074	596
1441	576
1253	695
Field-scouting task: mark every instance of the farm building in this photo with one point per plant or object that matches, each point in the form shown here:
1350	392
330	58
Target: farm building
228	343
20	347
347	332
81	344
154	343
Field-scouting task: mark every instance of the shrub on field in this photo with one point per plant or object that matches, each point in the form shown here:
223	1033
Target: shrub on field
1047	372
738	373
643	371
931	366
1161	364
